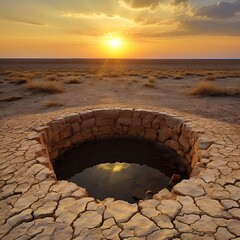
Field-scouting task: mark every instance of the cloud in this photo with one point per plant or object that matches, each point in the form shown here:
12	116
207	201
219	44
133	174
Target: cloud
220	10
176	2
142	3
25	21
196	27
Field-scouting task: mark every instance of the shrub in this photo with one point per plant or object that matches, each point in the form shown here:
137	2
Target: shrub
210	89
45	86
48	104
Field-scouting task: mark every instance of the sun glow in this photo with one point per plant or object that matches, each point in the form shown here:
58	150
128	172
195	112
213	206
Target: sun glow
115	42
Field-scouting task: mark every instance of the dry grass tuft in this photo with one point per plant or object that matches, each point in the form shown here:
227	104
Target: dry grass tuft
209	78
151	79
52	78
48	104
73	80
45	86
150	85
18	80
211	89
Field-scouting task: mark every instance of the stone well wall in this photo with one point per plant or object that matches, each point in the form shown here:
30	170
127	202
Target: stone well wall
62	133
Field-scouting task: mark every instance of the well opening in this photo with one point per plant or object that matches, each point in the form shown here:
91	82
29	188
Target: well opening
74	133
121	168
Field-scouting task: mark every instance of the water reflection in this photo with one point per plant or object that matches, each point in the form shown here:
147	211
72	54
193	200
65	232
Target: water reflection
119	168
120	180
113	167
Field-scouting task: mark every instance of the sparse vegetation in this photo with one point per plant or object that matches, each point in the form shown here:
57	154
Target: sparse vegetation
209	78
18	80
211	89
48	104
45	86
150	85
151	79
51	78
72	80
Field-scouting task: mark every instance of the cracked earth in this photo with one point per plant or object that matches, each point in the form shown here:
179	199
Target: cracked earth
34	205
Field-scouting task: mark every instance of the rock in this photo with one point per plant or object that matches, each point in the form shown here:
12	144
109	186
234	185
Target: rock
227	204
148	195
235	212
209	206
141	225
88	123
173	145
73	118
223	234
188	218
112	232
164	234
190	188
47	209
115	209
190	236
150	134
163	221
164	134
169	207
87	220
75	127
176	178
182	227
233	227
205	224
90	234
163	194
24	216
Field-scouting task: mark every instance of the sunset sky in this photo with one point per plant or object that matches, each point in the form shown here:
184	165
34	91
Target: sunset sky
120	28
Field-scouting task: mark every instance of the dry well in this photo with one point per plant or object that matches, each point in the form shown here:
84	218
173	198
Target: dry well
34	205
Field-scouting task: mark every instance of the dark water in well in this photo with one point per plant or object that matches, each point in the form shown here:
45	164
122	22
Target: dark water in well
119	168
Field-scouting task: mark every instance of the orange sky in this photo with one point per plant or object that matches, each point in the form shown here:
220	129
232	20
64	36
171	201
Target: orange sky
145	28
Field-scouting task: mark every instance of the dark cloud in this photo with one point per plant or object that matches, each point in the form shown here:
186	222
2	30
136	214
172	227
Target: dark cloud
220	10
176	2
190	28
142	3
25	21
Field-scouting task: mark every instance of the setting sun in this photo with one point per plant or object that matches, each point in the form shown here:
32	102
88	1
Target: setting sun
115	43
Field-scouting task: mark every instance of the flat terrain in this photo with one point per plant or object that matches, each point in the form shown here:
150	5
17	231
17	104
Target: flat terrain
155	85
202	98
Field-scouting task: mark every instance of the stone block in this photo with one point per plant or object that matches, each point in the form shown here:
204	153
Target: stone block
88	123
137	118
86	114
173	145
150	134
75	127
76	138
124	121
65	132
105	130
87	134
184	143
73	118
57	123
136	131
164	134
147	118
100	122
111	113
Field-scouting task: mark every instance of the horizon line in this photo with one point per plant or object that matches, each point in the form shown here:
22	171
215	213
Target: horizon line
102	58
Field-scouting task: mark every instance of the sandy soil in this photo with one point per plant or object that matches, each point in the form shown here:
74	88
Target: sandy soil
147	85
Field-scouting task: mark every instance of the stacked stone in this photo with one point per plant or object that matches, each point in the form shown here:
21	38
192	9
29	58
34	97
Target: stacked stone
35	206
62	133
